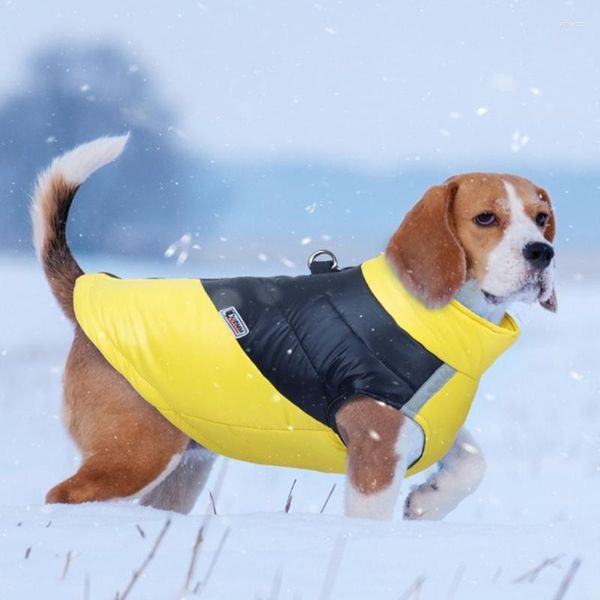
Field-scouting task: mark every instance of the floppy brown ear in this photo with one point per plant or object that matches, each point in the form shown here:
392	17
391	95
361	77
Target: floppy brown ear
425	251
551	304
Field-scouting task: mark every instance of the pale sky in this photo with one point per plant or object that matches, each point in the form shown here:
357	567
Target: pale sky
376	84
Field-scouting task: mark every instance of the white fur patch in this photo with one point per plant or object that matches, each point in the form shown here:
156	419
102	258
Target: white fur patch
382	505
78	164
460	473
171	466
378	506
507	269
74	167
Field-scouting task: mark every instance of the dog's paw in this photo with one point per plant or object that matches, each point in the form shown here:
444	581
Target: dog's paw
426	503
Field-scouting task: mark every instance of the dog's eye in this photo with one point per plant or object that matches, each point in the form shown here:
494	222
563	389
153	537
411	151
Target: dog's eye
541	219
486	219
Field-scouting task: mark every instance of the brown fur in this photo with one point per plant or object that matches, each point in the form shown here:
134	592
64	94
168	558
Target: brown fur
126	443
59	265
370	430
425	250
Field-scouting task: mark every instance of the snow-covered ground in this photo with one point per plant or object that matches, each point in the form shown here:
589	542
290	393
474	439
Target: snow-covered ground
537	417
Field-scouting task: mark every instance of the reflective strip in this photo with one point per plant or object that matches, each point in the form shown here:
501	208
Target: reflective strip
433	385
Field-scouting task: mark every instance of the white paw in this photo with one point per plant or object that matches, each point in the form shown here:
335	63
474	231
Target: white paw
427	502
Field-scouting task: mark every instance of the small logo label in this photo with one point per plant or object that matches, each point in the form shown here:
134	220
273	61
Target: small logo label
236	323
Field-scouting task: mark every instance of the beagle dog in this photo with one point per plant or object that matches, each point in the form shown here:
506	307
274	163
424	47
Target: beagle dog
471	247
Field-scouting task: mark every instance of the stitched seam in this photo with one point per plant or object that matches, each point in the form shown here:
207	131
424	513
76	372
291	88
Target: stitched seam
383	362
170	409
247	427
304	352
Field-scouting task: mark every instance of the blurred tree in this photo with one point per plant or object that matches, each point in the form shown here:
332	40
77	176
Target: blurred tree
136	206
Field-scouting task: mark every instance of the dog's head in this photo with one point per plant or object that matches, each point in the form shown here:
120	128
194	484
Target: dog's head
494	230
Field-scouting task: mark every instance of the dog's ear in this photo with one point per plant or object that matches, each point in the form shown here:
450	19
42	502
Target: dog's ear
550	232
425	251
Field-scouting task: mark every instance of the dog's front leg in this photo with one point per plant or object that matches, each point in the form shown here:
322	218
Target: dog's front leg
372	432
460	473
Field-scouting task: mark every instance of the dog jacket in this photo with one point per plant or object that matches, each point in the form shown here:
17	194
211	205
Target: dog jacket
256	368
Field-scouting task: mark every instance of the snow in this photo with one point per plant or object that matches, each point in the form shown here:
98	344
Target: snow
537	418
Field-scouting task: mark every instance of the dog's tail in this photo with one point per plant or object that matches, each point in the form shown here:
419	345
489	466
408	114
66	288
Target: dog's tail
54	192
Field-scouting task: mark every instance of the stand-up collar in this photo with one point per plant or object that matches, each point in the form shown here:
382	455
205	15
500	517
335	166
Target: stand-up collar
458	336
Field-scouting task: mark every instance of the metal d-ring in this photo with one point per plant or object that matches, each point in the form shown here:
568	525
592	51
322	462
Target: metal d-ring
313	258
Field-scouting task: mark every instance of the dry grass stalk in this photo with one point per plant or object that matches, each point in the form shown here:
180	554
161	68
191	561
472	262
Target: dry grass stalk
414	591
190	572
276	585
215	494
568	579
531	576
327	499
138	572
460	571
288	502
141	531
212	501
27	552
332	569
67	565
86	587
201	585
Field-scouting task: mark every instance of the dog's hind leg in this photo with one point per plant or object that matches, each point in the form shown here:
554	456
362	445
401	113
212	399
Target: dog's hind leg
181	488
128	446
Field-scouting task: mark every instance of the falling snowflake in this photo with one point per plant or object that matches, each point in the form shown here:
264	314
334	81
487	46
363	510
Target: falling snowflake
181	247
518	141
575	375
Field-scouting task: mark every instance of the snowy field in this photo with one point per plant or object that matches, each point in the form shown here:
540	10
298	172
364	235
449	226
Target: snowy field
521	536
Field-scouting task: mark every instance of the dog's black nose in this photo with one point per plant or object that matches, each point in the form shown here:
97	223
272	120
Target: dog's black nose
538	254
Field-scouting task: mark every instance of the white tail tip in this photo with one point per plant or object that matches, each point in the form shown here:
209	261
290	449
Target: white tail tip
74	167
78	164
